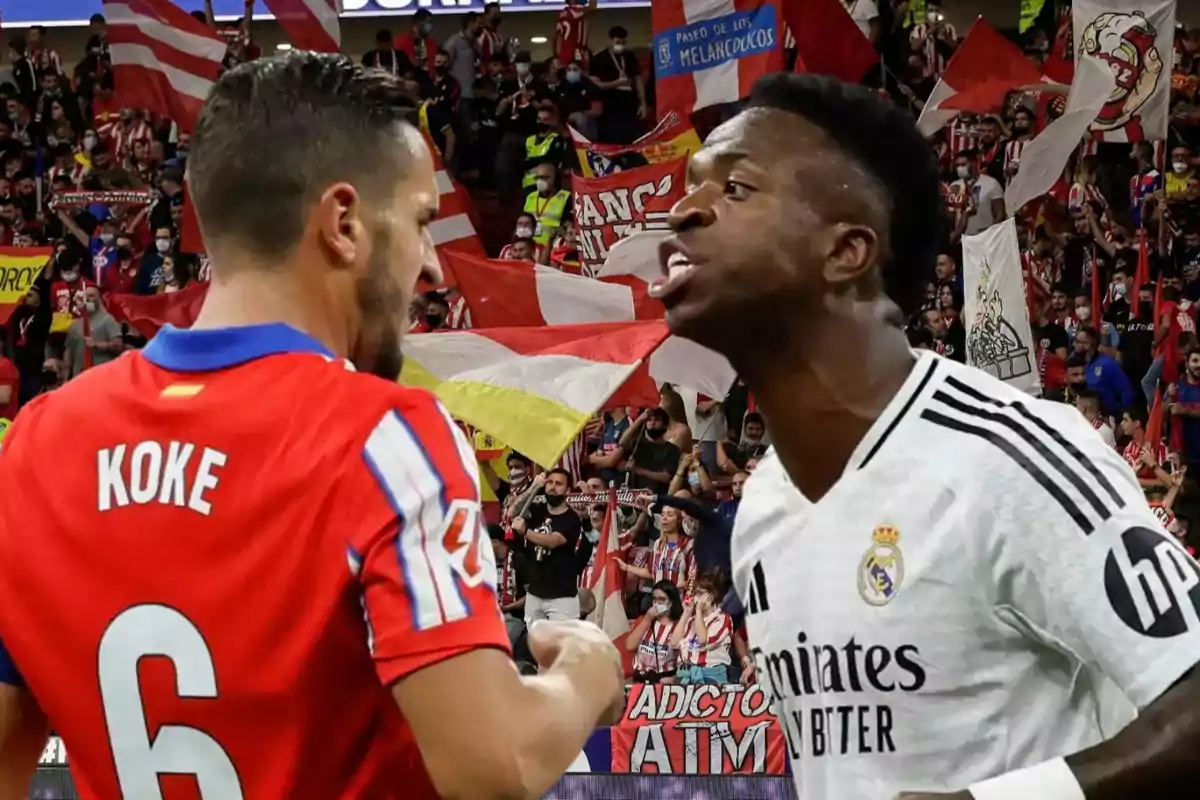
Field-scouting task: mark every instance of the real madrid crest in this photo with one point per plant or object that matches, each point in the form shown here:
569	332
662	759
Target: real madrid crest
881	570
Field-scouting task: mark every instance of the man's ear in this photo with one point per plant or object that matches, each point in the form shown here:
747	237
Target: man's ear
849	253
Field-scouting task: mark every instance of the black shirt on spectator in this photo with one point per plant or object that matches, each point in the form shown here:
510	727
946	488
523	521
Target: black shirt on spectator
573	98
553	571
656	457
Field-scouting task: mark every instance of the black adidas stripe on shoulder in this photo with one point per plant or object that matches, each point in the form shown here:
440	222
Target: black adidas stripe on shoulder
1088	464
1023	461
1035	442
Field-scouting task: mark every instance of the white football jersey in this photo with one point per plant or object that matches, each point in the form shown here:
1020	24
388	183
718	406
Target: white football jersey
983	589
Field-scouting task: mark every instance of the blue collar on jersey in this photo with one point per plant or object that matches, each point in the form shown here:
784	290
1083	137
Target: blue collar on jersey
211	349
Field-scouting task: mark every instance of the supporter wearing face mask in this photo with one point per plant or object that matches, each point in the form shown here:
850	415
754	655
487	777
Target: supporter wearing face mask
977	198
618	76
650	461
150	270
1181	172
549	537
67	291
417	43
120	272
545	146
101	342
437	313
512	574
522	247
1110	340
1103	374
704	636
732	457
548	204
579	100
655	660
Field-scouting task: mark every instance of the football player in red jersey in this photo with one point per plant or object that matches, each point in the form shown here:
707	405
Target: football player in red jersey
268	575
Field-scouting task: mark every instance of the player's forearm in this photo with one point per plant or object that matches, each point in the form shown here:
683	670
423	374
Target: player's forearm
561	709
1155	756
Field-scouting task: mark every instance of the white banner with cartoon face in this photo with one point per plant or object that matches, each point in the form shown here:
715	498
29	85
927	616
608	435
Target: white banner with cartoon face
1134	39
999	339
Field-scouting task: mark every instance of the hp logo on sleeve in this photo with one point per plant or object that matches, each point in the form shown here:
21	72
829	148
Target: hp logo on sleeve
1152	584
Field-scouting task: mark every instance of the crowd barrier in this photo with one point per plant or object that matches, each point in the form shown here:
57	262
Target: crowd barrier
686	742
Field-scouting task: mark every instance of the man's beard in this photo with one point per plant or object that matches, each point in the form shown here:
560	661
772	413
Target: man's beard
379	296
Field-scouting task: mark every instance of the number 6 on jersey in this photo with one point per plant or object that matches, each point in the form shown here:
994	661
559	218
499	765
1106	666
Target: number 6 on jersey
155	630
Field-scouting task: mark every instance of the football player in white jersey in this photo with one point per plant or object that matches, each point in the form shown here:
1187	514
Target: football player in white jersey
974	600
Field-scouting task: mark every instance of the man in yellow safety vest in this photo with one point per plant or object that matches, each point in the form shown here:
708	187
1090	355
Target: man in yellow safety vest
547	203
545	146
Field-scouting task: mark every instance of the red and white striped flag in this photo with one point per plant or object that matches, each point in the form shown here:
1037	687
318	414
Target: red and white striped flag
607	578
573	457
164	60
309	24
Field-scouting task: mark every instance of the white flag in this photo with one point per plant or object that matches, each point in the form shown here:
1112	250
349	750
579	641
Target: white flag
1043	159
1135	39
999	339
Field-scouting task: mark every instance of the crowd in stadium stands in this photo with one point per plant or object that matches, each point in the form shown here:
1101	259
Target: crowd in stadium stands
499	118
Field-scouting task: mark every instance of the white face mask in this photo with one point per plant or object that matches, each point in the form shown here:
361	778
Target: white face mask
1180	167
618	48
106	238
593	536
70	275
543	185
91	306
662	608
516	475
963	172
89	142
522	69
1084	313
1119	290
523	232
162	245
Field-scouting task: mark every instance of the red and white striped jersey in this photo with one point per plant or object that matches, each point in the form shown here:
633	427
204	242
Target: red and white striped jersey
507	590
571	34
121	136
671	561
488	44
1133	456
715	651
654	653
1012	155
961	135
935	62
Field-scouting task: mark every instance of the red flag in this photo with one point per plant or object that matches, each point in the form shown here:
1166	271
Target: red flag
148	313
828	41
163	59
607	578
984	57
1096	308
309	24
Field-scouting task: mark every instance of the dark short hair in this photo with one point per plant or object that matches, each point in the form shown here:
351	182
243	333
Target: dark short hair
618	32
1075	360
659	412
672	593
969	153
1139	414
276	131
383	35
1088	394
96	18
1089	330
515	456
436	297
560	471
856	120
755	417
422	14
468	18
